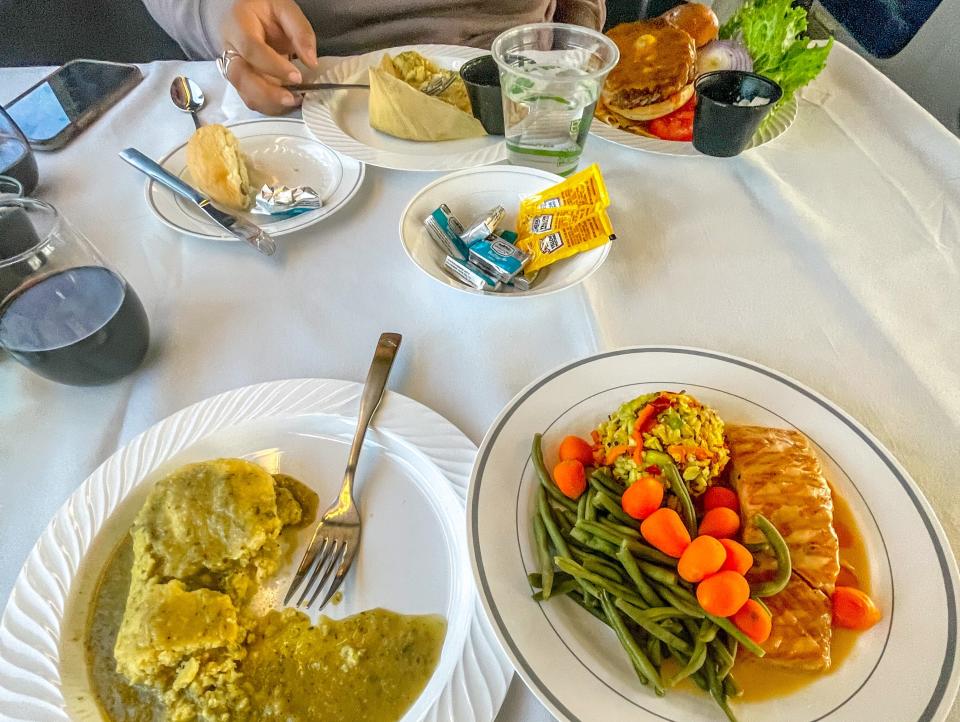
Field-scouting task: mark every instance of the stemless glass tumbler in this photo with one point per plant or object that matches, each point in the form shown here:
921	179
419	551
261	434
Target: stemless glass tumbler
64	312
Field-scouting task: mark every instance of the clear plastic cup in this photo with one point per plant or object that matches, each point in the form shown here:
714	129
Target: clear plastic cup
551	75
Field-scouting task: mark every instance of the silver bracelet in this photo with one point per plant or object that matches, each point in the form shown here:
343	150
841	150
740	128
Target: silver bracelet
224	60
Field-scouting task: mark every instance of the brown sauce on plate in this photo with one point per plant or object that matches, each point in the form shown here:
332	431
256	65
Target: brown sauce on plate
761	681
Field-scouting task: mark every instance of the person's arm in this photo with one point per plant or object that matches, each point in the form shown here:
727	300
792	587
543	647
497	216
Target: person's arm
586	13
194	24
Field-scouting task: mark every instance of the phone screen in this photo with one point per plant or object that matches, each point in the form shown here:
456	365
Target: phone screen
66	96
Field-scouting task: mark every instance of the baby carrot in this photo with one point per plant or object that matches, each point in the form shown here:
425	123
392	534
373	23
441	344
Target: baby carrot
717	496
853	609
570	478
573	447
720	522
642	497
703	557
723	593
739	559
664	530
754	621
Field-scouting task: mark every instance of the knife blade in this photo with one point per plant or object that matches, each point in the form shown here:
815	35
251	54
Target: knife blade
237	227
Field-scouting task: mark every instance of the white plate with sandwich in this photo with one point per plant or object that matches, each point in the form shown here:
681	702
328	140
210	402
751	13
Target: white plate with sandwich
274	151
342	119
849	515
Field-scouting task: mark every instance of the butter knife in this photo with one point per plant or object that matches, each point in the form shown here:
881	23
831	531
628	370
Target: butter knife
237	227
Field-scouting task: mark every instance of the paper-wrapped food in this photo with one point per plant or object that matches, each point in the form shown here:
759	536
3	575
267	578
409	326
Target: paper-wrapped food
400	108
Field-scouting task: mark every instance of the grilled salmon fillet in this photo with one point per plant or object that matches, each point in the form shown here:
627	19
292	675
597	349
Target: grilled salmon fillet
801	631
775	472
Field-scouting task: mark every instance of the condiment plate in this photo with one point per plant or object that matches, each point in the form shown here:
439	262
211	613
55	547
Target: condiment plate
469	193
279	151
776	127
339	118
411	485
904	668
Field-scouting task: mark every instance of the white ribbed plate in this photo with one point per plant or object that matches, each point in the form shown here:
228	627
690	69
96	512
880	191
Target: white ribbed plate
415	468
339	119
775	128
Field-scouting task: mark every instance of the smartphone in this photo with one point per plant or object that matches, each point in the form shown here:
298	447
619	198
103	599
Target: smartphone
69	99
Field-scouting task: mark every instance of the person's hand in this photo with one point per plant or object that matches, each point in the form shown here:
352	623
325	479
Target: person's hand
266	33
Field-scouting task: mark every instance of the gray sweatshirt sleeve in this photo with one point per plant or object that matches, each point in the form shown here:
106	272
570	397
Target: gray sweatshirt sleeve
194	24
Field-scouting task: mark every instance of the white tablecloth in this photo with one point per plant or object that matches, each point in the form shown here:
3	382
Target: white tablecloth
830	254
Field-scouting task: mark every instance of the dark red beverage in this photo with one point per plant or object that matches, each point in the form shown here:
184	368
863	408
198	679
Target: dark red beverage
83	326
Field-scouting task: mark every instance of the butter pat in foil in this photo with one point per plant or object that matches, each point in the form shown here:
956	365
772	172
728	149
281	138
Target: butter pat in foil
469	274
498	258
280	200
445	229
485	225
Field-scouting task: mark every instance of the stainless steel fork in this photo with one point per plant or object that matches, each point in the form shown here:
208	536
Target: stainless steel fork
337	537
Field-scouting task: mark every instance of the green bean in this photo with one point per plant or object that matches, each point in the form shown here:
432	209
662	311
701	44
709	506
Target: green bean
628	532
559	589
655	651
595	564
782	554
658	614
594	543
589	510
544	556
674	624
762	604
644	551
725	658
677	485
697	658
658	574
535	580
730	686
641	663
555	536
611	485
673	599
581	599
603	500
633	571
566	519
668	638
707	632
571	567
716	691
536	453
581	506
727	626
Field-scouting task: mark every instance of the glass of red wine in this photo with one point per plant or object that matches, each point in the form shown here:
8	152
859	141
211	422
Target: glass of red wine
16	158
65	313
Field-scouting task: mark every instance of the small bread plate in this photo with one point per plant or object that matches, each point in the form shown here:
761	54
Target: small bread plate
412	482
855	499
340	119
277	151
470	193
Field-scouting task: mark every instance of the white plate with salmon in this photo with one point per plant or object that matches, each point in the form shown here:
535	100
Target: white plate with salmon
677	534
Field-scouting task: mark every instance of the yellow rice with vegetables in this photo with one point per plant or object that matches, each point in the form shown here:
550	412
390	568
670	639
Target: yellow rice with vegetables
675	423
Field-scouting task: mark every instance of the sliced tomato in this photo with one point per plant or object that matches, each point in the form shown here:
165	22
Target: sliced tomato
677	125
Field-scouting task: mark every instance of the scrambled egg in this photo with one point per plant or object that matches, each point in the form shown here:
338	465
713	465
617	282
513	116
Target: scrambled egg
418	71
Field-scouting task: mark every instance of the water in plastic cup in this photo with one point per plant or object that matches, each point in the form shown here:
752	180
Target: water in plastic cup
551	75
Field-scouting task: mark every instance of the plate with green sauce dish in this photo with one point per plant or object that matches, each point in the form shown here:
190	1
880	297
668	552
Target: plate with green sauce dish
528	539
56	648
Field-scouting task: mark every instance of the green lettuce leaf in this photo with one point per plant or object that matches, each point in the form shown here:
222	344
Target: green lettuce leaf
774	33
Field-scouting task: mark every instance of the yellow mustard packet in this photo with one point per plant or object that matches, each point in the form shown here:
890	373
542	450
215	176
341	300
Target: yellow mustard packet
534	221
585	188
591	231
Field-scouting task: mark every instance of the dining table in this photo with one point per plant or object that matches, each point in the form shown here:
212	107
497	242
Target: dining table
831	254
